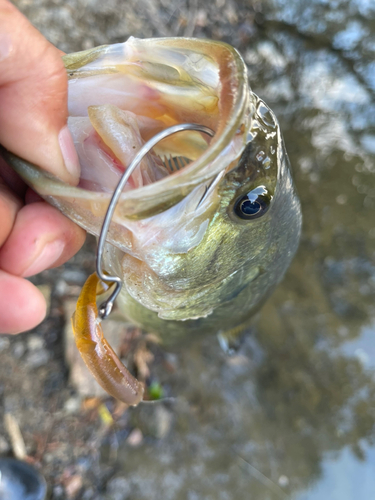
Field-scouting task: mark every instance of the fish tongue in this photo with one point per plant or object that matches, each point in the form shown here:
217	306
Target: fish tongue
119	131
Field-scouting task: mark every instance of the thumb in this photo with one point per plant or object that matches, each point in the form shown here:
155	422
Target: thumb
33	97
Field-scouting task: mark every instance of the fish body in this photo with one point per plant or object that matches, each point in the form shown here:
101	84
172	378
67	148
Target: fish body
204	230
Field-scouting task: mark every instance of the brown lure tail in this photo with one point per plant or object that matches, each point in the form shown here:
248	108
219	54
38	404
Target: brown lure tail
97	354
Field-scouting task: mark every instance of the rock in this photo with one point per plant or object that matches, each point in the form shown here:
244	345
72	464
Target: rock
58	492
163	421
72	405
48	458
283	481
35	343
18	349
4	344
154	420
87	44
89	495
62	288
74	276
135	438
36	359
80	377
118	488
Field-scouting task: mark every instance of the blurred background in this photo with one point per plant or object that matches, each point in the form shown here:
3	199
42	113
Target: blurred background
291	415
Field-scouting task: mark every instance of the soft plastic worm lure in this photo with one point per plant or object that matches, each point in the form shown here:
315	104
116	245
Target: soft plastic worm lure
98	355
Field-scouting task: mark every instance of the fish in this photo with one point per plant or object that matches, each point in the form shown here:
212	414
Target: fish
205	227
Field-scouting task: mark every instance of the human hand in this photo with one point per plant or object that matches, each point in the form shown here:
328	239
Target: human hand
33	114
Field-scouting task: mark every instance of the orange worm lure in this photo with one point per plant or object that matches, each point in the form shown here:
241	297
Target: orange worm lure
95	351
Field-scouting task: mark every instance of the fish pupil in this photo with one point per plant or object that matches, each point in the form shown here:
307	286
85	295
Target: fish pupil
250	207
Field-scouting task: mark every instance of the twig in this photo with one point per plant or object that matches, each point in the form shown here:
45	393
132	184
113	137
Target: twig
16	439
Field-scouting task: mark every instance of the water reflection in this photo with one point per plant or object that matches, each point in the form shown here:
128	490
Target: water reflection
265	420
292	414
324	393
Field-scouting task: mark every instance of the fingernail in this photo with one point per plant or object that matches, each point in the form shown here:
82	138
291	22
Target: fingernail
69	152
47	257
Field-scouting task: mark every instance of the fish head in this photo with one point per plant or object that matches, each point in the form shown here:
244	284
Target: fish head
234	235
202	224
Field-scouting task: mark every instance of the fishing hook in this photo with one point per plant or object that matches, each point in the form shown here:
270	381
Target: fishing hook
106	306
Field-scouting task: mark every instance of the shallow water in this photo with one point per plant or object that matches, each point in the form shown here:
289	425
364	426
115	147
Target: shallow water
291	415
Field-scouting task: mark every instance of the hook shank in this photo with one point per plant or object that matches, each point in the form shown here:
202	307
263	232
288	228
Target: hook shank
106	307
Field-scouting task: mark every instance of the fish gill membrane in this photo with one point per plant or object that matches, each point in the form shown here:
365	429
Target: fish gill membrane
205	228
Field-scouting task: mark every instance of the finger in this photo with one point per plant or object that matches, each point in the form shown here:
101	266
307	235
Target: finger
41	238
33	97
22	305
9	207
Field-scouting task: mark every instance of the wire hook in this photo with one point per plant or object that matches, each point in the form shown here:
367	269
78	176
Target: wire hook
106	306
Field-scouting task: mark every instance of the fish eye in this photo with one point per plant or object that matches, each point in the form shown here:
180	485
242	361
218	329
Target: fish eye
254	204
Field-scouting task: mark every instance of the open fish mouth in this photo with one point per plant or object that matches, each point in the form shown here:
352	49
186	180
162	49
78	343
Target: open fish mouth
108	139
119	97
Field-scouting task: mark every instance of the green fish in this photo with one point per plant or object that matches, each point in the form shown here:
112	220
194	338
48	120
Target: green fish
205	228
